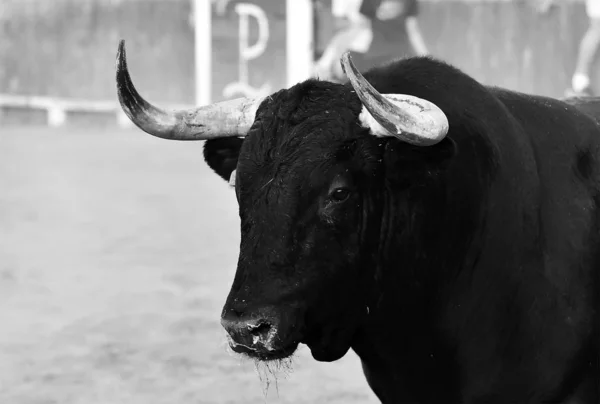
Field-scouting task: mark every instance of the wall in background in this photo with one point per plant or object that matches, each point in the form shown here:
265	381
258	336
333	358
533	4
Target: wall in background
67	48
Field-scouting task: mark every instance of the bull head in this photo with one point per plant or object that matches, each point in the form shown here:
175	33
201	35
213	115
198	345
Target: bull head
308	184
411	119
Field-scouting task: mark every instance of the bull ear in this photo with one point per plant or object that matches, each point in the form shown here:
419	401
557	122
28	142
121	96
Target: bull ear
222	154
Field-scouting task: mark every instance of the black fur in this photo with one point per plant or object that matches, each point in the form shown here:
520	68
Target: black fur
464	272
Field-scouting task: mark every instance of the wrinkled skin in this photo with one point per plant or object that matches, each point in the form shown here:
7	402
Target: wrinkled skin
458	272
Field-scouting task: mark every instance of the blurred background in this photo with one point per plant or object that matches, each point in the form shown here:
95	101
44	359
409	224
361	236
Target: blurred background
117	250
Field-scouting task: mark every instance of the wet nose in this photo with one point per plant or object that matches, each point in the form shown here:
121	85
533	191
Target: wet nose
250	335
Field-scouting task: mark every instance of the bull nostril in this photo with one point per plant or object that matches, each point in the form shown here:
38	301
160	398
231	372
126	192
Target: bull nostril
259	329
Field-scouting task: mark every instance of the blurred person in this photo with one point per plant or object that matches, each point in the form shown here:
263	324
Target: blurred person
581	82
374	31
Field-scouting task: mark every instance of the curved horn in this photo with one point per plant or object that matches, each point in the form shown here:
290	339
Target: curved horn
408	118
223	119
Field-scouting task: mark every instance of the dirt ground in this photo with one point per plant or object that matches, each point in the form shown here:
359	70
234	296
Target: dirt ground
117	251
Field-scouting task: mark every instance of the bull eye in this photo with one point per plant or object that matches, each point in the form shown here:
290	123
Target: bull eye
340	194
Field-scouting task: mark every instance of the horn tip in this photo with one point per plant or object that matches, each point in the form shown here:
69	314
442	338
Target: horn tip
121	55
345	60
348	66
125	91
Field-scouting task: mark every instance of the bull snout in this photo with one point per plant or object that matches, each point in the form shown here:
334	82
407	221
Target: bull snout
261	336
251	334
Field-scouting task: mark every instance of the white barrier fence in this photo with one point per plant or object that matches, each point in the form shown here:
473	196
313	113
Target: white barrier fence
58	108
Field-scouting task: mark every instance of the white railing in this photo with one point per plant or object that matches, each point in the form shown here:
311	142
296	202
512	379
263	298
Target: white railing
57	108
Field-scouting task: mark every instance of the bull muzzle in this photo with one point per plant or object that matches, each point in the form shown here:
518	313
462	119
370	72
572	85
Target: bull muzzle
262	334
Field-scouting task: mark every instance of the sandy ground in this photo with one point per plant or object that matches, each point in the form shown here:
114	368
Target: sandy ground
117	251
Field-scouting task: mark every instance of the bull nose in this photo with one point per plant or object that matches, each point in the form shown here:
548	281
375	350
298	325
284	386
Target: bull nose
250	335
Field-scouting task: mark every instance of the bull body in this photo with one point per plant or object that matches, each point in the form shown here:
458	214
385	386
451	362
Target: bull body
479	279
462	272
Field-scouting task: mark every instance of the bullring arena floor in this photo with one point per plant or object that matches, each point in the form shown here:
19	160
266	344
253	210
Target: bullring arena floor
117	251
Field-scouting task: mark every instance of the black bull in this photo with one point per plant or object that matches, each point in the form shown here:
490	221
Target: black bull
466	271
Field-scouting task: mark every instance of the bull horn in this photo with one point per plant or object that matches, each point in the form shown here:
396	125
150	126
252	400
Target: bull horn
222	119
410	119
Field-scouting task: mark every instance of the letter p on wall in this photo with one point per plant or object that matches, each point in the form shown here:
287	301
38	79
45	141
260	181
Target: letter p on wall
251	48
